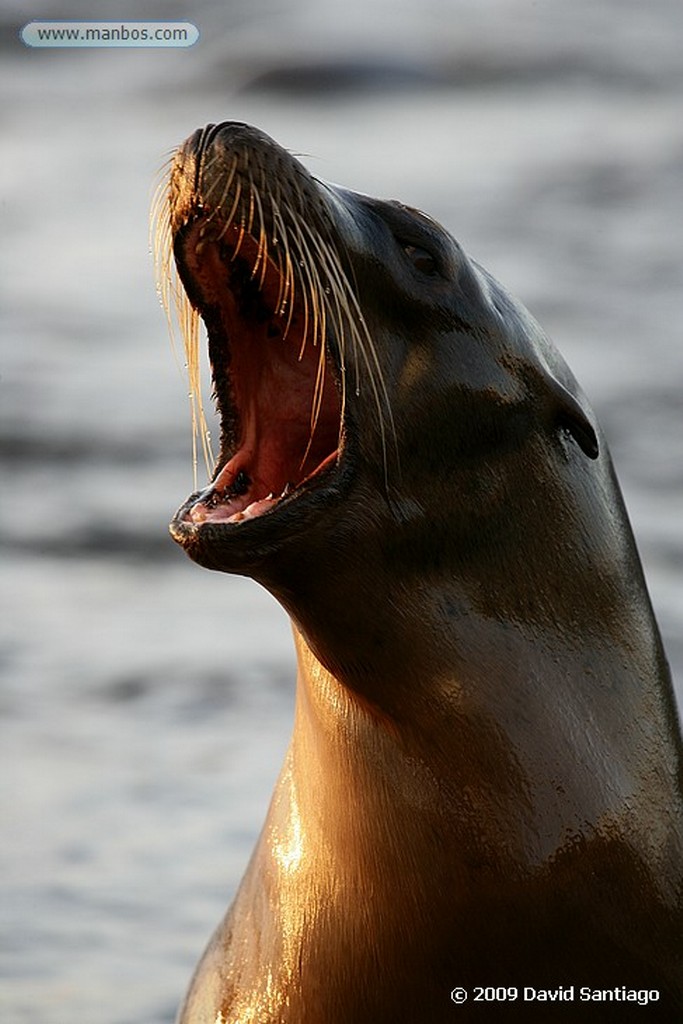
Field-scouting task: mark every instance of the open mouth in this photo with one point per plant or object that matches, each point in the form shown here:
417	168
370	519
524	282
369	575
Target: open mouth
277	386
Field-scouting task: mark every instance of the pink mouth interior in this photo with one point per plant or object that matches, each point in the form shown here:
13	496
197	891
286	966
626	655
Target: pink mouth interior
272	371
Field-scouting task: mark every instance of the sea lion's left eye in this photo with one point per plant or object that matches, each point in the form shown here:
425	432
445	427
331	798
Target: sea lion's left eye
421	259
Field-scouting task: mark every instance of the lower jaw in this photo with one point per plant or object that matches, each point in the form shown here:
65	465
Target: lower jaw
225	501
247	542
290	538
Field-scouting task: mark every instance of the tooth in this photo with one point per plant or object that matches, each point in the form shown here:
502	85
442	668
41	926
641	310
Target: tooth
286	490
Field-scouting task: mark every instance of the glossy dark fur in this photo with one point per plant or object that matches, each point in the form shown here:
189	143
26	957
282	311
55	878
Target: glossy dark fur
484	781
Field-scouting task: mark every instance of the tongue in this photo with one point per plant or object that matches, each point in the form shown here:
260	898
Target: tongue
256	508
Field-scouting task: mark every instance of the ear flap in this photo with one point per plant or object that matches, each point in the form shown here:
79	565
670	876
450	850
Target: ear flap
570	416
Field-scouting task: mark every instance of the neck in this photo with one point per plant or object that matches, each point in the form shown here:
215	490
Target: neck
365	797
531	752
471	795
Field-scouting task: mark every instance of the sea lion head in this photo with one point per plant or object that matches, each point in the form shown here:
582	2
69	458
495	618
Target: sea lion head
383	401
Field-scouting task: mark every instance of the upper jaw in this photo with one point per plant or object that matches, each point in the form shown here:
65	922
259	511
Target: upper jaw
276	378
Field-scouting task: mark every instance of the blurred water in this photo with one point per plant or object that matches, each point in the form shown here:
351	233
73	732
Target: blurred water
145	703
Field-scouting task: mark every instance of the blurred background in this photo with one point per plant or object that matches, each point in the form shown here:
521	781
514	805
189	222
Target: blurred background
144	703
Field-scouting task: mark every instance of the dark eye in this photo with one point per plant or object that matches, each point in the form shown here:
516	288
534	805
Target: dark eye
421	260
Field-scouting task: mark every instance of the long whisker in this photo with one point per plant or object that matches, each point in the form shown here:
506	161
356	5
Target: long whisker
262	253
312	286
233	210
225	191
362	339
287	296
178	310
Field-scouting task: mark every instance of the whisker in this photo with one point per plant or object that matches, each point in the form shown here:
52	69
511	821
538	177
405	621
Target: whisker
287	295
233	210
179	311
225	192
361	338
250	218
262	253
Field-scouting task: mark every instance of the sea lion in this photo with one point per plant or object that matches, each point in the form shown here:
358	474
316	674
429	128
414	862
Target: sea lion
483	787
